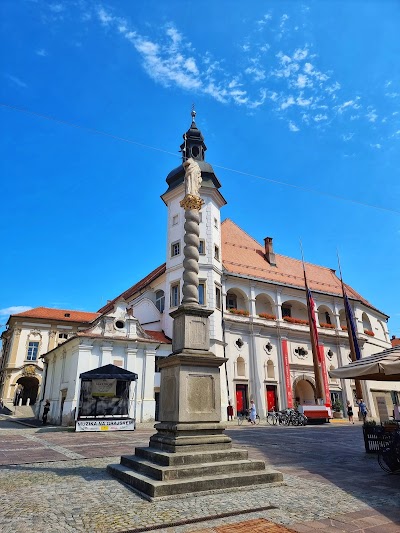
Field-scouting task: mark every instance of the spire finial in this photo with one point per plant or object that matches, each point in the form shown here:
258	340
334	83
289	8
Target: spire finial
193	113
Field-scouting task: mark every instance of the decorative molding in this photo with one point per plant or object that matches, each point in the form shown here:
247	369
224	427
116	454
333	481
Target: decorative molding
191	202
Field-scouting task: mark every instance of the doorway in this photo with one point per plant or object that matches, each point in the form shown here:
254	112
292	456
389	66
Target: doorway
241	398
271	396
27	389
304	392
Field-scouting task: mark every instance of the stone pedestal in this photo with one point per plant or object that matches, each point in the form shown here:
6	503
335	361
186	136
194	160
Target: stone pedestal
190	452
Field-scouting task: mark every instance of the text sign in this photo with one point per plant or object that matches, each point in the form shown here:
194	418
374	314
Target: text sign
105	425
104	387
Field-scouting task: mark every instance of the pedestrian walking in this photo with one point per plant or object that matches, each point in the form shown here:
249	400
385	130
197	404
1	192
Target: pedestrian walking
363	409
46	410
350	412
230	411
253	412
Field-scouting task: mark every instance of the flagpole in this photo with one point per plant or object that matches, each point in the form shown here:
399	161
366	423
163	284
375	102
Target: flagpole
352	341
314	340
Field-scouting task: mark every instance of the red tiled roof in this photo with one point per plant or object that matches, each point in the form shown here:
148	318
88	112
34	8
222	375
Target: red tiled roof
58	314
243	255
135	288
158	336
395	342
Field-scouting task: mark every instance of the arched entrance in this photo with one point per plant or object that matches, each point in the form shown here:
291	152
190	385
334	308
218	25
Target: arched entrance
27	387
304	392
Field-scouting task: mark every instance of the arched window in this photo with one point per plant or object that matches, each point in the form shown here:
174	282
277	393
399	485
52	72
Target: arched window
270	369
160	300
240	366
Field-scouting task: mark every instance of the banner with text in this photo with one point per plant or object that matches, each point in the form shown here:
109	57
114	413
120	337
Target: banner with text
105	425
104	387
286	370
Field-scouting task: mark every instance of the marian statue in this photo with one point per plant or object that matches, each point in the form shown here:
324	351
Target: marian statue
192	177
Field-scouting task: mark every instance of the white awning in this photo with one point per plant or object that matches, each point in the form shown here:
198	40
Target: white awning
382	366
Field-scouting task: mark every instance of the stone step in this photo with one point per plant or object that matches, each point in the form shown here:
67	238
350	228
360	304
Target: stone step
193	457
166	473
155	489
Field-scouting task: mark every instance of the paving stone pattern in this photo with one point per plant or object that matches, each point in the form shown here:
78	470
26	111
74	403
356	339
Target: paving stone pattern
330	485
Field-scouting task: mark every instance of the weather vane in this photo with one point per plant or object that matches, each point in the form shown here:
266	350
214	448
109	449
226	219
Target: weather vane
193	113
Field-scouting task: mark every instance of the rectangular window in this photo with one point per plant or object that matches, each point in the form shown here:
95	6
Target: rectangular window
175	248
286	311
33	349
63	336
175	295
202	293
175	220
202	247
216	253
217	297
231	301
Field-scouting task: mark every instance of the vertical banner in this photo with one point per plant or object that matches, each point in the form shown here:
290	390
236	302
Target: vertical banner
324	373
286	370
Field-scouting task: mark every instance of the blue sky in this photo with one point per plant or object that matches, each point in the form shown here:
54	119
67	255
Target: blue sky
298	104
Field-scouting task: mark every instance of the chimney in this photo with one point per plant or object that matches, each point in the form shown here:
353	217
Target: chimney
269	251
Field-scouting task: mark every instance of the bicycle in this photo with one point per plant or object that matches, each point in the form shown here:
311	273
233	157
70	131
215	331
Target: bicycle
244	415
389	453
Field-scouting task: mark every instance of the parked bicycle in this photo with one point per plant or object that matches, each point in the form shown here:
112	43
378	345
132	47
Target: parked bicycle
286	417
245	415
389	453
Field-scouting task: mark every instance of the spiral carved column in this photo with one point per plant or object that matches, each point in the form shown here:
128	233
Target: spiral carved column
192	204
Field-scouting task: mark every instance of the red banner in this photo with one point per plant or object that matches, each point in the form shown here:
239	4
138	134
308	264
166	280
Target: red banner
324	376
286	370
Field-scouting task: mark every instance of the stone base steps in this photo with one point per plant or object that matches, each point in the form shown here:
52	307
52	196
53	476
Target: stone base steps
169	473
154	488
164	458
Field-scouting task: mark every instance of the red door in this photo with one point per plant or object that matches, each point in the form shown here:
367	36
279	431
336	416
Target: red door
241	398
271	398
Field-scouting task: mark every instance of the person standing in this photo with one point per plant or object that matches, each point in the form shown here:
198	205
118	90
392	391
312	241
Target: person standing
46	410
253	412
350	412
363	409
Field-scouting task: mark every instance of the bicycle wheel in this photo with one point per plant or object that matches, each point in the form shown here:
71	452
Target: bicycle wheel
240	420
257	419
272	419
284	420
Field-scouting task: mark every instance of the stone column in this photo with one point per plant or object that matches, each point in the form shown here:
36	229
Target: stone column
190	389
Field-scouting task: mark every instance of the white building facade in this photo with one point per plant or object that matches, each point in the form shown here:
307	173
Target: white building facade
114	338
259	303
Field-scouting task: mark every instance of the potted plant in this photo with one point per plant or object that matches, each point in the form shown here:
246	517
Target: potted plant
267	316
337	409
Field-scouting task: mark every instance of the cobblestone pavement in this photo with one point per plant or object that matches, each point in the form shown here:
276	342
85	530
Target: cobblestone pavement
331	484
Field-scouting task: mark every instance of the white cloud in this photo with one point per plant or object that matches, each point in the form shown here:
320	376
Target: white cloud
104	17
303	102
377	146
14	310
300	54
287	103
347	136
293	127
56	8
41	52
16	81
319	118
371	115
302	81
258	74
